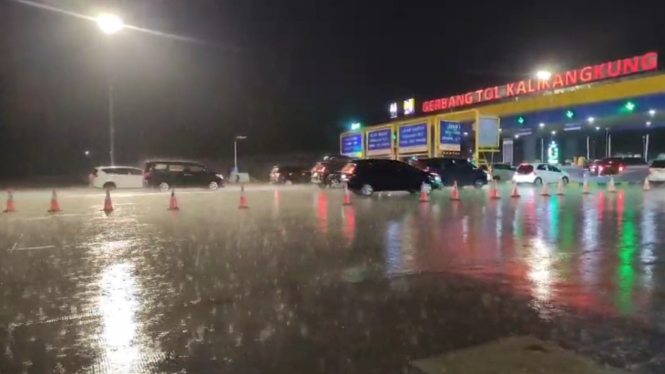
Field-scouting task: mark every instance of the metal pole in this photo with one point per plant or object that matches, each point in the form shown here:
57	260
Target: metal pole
609	145
235	155
587	147
646	148
542	149
109	74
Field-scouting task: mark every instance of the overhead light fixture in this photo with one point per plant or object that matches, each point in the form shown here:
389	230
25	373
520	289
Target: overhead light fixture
466	134
591	119
652	112
544	75
542	125
597	128
648	123
553	132
517	136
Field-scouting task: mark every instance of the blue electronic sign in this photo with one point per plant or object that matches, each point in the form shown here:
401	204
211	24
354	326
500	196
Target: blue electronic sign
450	136
379	142
352	145
413	138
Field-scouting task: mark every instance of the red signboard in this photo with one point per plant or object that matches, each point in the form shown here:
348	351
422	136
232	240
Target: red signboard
587	74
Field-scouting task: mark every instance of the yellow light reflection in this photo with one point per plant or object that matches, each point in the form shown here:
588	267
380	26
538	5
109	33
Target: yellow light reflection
541	275
117	306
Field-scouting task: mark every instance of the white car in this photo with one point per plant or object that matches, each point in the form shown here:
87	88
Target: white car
657	171
539	173
112	177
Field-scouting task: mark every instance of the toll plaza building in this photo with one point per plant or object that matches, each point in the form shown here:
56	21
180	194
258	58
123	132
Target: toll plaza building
608	109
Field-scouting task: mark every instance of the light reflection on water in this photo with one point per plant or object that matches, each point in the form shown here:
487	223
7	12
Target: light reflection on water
598	251
118	307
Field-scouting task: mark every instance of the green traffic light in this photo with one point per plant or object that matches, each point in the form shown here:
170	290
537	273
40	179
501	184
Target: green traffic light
570	114
630	106
520	120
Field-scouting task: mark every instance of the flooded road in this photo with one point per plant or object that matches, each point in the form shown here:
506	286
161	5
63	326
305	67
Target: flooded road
299	283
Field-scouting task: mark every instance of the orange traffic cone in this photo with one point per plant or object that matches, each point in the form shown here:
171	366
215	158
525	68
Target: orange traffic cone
108	205
455	195
610	186
646	186
559	190
173	202
423	194
585	187
347	196
243	199
55	206
11	208
494	192
545	191
515	193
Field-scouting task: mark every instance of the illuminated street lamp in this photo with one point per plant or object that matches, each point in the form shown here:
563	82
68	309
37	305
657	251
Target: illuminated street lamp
652	112
591	119
544	75
541	125
110	24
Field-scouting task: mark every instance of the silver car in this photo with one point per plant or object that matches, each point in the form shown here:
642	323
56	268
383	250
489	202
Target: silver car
502	172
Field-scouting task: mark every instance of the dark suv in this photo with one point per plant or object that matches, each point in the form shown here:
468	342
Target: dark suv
454	169
326	173
169	174
366	176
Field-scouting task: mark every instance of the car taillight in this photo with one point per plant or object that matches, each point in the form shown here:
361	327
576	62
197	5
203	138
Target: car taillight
350	170
622	168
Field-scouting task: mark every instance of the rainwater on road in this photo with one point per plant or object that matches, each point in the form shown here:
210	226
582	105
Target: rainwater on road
299	283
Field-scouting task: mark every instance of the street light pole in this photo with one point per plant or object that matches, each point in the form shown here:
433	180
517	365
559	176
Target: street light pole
109	25
235	151
109	76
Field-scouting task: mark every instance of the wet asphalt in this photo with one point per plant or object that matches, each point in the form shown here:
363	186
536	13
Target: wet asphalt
299	283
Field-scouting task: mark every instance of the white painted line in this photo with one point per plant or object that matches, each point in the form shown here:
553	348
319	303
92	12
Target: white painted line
31	248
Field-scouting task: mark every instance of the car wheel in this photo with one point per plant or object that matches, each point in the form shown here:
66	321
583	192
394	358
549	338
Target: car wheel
478	183
538	181
213	186
367	190
565	180
164	186
109	186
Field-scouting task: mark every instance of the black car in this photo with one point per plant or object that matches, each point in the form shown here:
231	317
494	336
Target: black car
454	169
290	174
327	172
366	176
169	174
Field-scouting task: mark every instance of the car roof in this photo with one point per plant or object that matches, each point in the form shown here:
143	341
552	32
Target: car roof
173	162
117	167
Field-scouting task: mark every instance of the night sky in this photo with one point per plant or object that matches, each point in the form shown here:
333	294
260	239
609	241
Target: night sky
290	75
